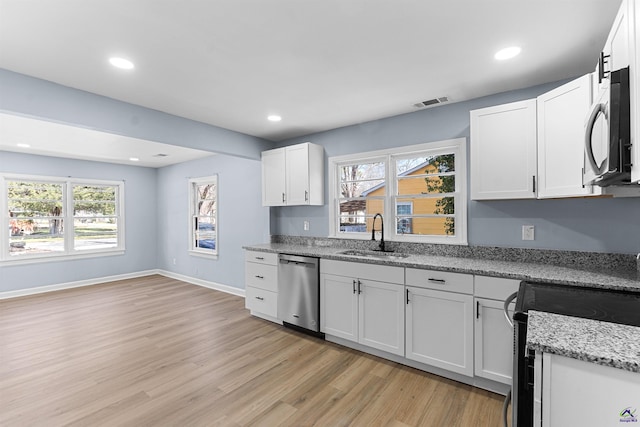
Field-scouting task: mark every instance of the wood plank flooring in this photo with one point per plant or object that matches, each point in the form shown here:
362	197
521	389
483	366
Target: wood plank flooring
159	352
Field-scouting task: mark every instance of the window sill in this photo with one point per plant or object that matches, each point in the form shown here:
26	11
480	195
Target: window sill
203	254
61	257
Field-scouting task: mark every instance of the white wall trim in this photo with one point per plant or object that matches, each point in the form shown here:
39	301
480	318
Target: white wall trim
77	284
99	280
204	283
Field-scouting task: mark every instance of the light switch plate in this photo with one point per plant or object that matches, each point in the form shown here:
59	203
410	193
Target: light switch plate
528	232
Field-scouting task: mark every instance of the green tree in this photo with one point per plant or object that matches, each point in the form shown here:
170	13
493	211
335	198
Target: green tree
443	184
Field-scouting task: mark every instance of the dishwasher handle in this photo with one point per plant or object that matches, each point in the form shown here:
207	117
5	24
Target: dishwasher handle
296	260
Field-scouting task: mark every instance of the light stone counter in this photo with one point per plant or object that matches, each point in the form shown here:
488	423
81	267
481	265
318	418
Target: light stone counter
604	343
579	274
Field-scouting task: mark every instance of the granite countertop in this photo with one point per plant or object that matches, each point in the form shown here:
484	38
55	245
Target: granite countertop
604	343
613	278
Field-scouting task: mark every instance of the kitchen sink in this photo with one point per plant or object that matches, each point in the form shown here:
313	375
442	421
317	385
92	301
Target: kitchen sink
374	254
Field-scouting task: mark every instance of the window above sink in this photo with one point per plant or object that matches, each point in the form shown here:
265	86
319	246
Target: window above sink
418	189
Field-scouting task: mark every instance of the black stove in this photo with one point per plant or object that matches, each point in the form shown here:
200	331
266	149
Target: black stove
622	307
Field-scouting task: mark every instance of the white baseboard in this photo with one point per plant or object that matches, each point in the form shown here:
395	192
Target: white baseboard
99	280
77	284
204	283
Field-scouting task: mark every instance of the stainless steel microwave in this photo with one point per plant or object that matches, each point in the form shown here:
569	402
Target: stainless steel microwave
607	153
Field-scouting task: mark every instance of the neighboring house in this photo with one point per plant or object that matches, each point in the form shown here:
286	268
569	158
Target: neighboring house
410	210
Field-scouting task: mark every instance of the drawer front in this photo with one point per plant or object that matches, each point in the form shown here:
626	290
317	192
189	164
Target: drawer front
361	270
497	288
261	276
261	301
261	257
440	280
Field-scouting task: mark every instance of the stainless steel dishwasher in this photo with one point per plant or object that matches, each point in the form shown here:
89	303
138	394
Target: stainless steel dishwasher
299	291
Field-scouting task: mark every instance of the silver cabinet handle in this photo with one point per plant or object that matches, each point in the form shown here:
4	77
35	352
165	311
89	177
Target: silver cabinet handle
260	258
359	288
260	298
306	196
259	277
354	286
282	197
438	281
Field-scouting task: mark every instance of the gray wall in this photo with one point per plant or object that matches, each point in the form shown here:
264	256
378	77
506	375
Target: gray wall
36	98
596	225
140	223
241	218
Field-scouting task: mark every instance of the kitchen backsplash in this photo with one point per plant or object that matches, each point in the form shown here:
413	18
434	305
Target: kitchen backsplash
584	260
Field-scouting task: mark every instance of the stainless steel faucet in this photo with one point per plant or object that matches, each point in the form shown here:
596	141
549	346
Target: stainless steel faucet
373	231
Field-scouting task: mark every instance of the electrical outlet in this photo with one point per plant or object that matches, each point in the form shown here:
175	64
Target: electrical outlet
174	261
528	232
305	226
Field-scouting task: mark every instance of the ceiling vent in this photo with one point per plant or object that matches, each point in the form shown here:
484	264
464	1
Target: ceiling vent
430	102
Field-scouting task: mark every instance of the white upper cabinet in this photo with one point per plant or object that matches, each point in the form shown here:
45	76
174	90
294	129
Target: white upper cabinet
273	178
293	175
561	117
634	70
503	151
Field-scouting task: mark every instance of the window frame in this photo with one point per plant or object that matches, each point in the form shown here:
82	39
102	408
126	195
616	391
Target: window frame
457	146
69	252
193	249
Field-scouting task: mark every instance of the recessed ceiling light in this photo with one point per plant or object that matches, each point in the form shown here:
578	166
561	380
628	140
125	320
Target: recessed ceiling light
125	64
23	145
134	159
507	53
274	118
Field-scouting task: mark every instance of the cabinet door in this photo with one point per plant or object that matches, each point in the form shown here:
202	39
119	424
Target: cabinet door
493	342
440	329
339	306
503	151
561	117
298	174
634	69
381	316
273	178
579	393
618	41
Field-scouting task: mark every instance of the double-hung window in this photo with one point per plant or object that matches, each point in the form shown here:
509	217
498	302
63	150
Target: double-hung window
420	190
46	217
203	219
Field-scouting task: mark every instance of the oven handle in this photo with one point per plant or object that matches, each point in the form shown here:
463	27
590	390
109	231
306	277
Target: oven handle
508	301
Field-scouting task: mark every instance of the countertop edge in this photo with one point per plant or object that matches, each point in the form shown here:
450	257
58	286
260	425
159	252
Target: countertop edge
602	343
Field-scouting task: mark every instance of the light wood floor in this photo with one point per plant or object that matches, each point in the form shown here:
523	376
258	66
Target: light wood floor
160	352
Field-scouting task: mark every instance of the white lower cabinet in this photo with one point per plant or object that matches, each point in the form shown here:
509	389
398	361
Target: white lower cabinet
493	342
571	392
440	329
261	283
493	335
381	316
356	308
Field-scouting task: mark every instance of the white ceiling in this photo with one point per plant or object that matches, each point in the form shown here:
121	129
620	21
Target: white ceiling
320	64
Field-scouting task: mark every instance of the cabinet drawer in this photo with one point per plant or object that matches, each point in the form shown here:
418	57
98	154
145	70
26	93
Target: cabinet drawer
360	270
261	301
269	258
495	287
261	276
440	280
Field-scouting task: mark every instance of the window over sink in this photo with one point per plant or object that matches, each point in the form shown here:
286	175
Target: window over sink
418	189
